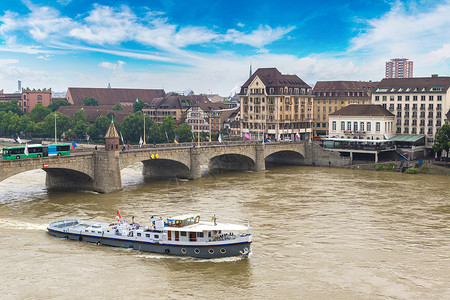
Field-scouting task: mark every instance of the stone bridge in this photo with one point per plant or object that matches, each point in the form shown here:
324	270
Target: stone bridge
100	170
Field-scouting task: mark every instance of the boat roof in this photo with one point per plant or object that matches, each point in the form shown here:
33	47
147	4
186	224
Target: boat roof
183	217
208	226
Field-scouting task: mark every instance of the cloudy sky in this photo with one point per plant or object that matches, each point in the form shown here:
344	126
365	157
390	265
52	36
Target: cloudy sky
208	46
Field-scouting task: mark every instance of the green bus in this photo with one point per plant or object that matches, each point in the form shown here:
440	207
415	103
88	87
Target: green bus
36	150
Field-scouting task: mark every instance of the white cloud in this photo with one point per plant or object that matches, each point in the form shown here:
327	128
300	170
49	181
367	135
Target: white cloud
116	67
258	38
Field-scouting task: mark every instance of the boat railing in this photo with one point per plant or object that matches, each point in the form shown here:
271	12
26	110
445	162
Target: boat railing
228	236
61	224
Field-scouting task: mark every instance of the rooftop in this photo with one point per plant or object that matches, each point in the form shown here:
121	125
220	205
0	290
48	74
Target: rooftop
362	110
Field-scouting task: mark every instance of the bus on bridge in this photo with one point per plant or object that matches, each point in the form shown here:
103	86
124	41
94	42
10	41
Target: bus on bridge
35	150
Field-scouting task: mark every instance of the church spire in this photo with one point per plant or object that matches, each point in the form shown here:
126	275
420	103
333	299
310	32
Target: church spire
250	70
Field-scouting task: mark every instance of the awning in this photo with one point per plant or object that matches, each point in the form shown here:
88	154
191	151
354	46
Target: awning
407	138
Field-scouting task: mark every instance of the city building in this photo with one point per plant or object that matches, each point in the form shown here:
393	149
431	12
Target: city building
399	68
330	96
93	112
420	104
277	106
4	97
111	96
362	121
28	98
199	116
232	124
175	106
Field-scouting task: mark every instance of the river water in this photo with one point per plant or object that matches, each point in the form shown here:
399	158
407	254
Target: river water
318	233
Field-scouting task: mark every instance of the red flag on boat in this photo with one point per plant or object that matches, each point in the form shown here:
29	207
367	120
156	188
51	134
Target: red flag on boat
118	214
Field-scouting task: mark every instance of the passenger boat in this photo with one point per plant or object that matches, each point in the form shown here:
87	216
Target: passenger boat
183	235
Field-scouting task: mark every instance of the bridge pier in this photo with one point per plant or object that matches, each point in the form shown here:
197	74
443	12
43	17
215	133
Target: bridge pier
107	176
260	164
195	164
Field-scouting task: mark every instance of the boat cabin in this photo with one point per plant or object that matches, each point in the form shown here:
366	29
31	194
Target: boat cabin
184	220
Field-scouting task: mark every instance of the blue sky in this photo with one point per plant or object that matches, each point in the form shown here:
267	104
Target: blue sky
207	46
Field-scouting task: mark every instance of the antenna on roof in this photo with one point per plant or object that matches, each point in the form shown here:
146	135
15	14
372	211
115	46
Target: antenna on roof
250	69
109	85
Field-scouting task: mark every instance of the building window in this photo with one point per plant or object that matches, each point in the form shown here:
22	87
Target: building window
349	126
399	106
406	98
324	125
439	98
334	125
431	98
384	98
362	126
369	126
414	98
378	126
422	98
355	126
342	125
399	98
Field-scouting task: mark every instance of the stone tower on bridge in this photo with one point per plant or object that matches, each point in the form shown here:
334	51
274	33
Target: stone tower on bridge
112	138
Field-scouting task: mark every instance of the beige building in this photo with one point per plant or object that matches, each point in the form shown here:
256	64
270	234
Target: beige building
275	106
331	96
419	104
359	121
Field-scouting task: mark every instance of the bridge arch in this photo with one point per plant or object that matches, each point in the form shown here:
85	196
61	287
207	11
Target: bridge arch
231	162
68	178
165	168
285	157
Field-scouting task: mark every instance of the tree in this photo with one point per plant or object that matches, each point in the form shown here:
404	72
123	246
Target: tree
168	128
154	135
117	106
133	126
97	131
184	133
79	129
89	101
12	105
39	112
62	124
58	103
79	116
442	139
138	105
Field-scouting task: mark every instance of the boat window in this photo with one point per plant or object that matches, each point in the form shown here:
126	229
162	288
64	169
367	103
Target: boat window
199	234
183	233
209	233
147	235
139	234
156	236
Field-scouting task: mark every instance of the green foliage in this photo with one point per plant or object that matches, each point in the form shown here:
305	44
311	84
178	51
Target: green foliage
98	130
155	135
39	112
89	101
411	171
184	133
79	116
138	105
79	130
117	106
12	106
58	103
391	167
379	168
168	127
133	126
442	139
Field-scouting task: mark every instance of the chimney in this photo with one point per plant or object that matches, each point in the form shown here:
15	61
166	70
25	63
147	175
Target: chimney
19	86
434	75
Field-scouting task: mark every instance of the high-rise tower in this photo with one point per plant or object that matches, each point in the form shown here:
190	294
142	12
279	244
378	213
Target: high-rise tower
399	68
